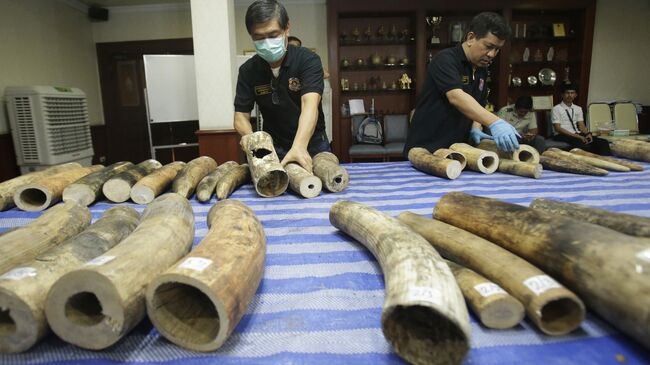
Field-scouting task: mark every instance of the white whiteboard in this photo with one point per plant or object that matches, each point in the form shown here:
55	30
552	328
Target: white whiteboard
171	88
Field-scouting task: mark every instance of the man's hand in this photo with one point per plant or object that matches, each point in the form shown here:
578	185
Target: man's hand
505	135
585	139
243	142
300	156
476	135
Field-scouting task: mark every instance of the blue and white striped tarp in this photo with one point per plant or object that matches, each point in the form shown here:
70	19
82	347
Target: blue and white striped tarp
321	296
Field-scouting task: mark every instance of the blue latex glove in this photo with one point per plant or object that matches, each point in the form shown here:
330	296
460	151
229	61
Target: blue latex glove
505	135
476	135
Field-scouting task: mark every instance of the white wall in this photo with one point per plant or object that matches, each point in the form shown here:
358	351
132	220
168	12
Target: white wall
308	22
214	58
48	43
621	51
137	23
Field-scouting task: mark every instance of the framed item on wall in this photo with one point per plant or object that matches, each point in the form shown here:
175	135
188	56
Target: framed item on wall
543	102
558	30
128	83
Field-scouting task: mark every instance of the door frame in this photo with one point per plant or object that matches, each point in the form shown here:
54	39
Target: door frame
105	55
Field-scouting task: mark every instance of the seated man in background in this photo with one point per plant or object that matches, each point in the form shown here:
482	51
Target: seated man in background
522	117
294	41
569	124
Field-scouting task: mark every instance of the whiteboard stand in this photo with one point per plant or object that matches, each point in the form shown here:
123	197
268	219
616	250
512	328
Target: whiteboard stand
170	95
159	147
146	104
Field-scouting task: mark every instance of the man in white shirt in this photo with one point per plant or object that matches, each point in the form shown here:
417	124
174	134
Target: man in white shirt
522	117
569	124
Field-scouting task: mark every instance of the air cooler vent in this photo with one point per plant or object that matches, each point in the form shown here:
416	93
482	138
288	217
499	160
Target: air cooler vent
49	124
26	133
67	118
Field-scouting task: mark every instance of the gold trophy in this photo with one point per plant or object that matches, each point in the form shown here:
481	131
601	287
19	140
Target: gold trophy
434	23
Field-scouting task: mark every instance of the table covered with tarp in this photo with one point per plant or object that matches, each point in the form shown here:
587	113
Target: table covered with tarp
321	296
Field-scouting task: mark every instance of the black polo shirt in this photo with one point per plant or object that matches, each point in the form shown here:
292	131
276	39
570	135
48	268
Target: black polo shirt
436	123
301	72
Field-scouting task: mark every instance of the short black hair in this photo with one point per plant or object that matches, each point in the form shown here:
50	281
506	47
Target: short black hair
294	38
564	87
488	22
524	102
262	11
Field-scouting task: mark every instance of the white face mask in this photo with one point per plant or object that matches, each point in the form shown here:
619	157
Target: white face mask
271	49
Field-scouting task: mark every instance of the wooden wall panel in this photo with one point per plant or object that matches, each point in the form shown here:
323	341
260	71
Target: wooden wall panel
8	167
644	120
98	133
222	145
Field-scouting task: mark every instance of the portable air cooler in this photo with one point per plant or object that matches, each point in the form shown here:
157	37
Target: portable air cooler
49	125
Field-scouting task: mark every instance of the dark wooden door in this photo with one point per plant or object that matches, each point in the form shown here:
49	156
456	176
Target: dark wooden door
121	74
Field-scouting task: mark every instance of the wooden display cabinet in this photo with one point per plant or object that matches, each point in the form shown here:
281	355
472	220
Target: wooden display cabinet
374	52
451	32
559	54
556	41
572	50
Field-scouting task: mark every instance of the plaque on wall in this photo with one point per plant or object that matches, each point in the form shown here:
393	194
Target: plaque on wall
544	102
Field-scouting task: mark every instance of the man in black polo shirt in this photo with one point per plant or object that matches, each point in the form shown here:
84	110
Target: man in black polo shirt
287	84
451	107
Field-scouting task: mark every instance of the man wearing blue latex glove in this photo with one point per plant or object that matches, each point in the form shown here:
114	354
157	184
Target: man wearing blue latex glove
455	91
505	135
476	135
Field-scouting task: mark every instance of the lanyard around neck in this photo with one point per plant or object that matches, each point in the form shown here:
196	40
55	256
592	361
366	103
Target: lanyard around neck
571	119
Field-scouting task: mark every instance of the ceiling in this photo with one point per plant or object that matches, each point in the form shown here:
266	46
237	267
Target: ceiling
112	3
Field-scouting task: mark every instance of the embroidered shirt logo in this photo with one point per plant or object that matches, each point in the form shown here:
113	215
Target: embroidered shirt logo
481	84
263	89
465	80
294	84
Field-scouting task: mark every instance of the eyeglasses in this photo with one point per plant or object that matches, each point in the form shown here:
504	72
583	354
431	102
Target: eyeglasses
275	98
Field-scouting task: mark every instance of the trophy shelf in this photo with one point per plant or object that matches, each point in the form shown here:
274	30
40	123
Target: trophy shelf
440	45
377	92
554	38
352	43
539	63
360	30
376	58
543	39
376	68
536	87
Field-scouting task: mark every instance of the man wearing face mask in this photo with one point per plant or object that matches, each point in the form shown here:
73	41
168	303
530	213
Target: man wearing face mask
287	84
451	107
